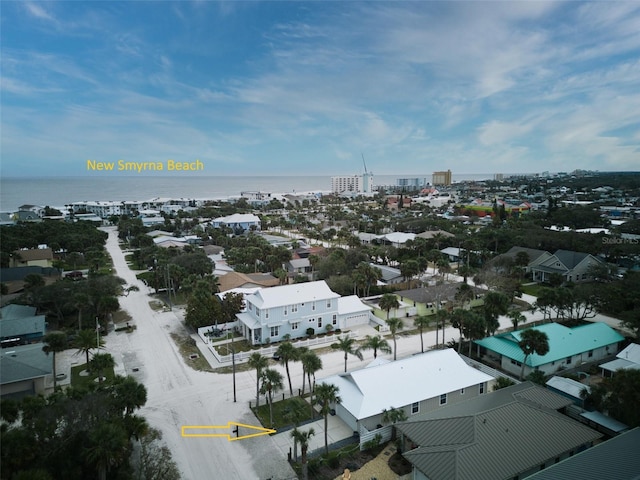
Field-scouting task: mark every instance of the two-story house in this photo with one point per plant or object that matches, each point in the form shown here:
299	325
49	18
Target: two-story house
272	313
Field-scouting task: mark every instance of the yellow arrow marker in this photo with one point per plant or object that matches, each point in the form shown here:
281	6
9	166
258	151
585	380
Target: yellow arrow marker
206	431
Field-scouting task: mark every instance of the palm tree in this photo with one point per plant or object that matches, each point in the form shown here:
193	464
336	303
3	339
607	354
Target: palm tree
54	342
101	362
303	439
495	304
86	341
326	394
442	315
395	325
295	412
347	345
387	302
532	341
421	322
375	343
311	363
459	319
271	383
287	352
129	394
108	447
393	415
258	362
516	316
81	301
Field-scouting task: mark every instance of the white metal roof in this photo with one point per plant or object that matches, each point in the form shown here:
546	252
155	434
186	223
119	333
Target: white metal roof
568	386
292	294
238	218
365	393
631	353
351	304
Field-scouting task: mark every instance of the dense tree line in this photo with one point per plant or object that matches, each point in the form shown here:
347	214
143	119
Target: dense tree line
65	237
80	433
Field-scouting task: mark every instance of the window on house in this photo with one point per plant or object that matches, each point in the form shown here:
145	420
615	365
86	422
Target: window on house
443	399
568	360
329	303
257	312
334	320
275	331
481	388
313	306
294	308
286	310
319	322
462	391
266	314
294	326
590	353
415	407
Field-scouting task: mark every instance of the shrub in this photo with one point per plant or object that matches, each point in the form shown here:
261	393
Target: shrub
373	443
310	331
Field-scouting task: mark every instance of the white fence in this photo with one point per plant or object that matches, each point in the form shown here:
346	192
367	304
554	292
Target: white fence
368	435
264	351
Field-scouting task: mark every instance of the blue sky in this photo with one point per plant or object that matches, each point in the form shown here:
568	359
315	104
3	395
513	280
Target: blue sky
303	88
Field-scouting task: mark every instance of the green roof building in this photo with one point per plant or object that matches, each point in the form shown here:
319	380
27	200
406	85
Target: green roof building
568	348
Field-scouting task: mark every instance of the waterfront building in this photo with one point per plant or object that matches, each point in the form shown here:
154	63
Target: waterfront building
441	178
353	184
415	183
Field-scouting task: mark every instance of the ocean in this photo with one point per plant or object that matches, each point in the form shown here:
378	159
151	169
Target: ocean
60	191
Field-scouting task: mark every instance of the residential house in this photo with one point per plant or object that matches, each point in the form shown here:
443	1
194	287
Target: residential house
19	324
24	370
571	266
615	458
33	257
390	275
291	310
507	434
425	300
629	358
568	348
533	255
417	384
238	222
232	280
299	266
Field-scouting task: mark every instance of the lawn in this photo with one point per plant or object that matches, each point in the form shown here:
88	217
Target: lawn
532	289
280	410
80	381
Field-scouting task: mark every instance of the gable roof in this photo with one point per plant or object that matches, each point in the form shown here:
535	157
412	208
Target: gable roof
629	358
472	439
13	310
388	273
34	254
406	381
233	280
24	363
563	342
17	327
569	258
616	458
533	253
351	304
290	294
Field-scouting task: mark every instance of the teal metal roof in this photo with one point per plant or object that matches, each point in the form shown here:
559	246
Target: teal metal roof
563	342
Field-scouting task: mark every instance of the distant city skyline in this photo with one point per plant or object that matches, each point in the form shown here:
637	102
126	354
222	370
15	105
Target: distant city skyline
309	88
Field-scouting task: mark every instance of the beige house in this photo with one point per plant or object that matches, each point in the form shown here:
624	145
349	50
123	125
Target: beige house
34	257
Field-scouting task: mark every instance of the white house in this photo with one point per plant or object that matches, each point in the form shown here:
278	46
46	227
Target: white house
420	383
629	358
291	310
238	221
